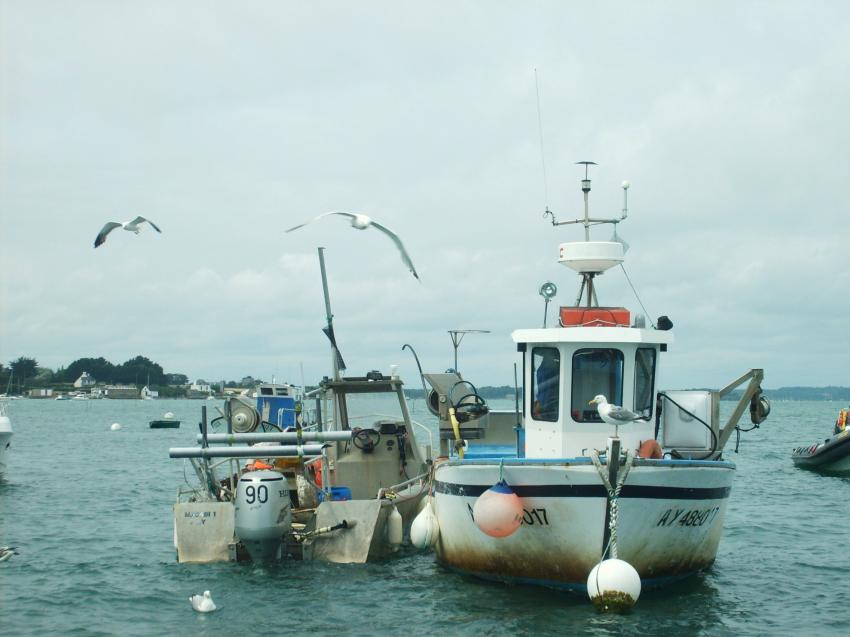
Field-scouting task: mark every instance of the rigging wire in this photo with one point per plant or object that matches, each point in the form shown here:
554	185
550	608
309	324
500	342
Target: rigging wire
540	131
637	297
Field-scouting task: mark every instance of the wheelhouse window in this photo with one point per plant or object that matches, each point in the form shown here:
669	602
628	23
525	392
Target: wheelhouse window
644	380
545	383
595	371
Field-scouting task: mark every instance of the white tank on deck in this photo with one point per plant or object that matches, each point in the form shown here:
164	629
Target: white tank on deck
263	513
591	256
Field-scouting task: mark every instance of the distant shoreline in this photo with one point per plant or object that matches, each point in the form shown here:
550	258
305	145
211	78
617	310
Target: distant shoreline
822	394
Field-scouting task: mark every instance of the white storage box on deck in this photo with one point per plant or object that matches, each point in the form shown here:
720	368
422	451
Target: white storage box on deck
679	429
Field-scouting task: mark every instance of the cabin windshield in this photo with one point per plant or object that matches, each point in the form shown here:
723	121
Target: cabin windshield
545	383
595	371
644	380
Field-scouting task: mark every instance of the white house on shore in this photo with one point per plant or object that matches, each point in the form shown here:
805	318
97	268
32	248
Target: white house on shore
200	386
85	380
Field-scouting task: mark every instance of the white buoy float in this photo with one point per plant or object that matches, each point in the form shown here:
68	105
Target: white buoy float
613	585
395	529
168	415
425	530
498	511
115	426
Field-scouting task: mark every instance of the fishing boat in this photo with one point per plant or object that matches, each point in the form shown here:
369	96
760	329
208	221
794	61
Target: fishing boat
548	492
830	456
278	479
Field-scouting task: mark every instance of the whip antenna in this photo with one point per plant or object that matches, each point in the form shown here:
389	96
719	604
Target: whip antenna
542	154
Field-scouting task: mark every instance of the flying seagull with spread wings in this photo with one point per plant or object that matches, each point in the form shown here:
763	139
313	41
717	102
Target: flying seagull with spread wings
361	222
131	226
614	414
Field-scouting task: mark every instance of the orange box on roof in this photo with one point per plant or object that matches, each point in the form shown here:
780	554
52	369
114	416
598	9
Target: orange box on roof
595	317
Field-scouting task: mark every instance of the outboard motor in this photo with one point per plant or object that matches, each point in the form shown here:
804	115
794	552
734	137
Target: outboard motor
263	513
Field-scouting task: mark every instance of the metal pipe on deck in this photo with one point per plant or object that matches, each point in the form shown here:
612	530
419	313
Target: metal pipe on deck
272	451
286	436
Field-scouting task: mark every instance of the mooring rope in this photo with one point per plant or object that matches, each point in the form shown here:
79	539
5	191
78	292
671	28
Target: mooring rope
613	493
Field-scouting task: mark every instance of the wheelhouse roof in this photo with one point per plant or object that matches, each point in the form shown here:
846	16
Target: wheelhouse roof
593	335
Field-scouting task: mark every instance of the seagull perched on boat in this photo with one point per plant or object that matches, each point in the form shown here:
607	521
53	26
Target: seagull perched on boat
6	552
614	414
131	226
361	222
202	603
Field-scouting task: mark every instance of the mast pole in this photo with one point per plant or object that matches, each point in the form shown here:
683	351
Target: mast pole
328	314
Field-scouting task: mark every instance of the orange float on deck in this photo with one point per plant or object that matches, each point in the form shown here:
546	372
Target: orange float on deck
595	317
650	449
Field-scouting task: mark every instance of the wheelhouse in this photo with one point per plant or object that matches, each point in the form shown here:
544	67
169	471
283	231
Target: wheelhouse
566	367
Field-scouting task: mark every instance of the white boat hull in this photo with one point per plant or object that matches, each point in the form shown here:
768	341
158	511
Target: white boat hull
5	441
669	524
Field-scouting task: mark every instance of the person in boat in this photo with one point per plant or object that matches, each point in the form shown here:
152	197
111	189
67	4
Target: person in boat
841	423
547	377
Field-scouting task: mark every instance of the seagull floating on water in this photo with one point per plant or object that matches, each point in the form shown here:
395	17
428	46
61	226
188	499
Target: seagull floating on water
202	603
614	414
131	226
361	222
6	552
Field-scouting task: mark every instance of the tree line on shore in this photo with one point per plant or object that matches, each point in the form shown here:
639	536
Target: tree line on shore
25	373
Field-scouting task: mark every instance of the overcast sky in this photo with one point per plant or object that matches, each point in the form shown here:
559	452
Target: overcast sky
228	123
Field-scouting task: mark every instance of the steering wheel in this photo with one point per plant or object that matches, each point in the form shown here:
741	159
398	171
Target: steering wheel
366	439
475	409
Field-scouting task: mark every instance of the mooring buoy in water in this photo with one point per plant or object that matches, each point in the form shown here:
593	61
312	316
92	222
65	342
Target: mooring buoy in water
613	585
115	426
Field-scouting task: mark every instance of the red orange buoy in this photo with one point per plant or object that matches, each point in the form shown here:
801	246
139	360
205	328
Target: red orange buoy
498	511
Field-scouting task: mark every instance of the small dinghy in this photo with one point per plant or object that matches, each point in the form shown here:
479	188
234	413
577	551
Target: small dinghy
830	456
167	422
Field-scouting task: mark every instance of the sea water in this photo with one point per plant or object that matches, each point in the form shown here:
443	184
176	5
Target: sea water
90	512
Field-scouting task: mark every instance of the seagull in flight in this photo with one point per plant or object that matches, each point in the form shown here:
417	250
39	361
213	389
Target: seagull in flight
203	603
361	222
131	226
614	414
